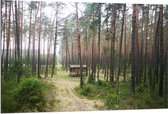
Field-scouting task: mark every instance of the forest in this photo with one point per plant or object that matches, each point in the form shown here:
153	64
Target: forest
123	46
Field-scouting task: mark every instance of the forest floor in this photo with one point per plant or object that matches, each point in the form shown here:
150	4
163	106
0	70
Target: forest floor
64	98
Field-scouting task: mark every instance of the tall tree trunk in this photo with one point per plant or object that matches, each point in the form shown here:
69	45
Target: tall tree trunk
133	49
125	49
146	39
30	31
21	27
55	42
49	46
18	40
142	47
34	37
99	42
86	50
112	42
4	25
7	41
79	46
155	53
120	49
93	43
40	29
161	51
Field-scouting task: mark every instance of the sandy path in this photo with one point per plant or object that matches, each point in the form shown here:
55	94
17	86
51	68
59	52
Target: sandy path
65	97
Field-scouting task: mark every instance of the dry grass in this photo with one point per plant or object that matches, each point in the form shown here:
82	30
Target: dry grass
65	98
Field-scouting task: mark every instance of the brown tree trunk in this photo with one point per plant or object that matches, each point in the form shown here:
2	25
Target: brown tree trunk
30	31
99	42
120	53
7	41
112	42
55	42
79	47
161	51
34	37
146	40
18	40
40	29
133	49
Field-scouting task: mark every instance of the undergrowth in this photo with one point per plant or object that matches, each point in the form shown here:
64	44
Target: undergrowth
27	96
105	91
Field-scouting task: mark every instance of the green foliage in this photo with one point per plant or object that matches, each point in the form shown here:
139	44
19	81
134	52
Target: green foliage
144	91
29	95
8	104
90	79
103	83
85	90
19	67
112	99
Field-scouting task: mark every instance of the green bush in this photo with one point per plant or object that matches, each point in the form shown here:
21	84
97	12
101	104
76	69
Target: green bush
29	95
144	92
102	83
90	80
111	100
18	67
85	90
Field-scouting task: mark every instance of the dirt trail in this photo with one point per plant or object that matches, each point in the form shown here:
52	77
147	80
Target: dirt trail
65	96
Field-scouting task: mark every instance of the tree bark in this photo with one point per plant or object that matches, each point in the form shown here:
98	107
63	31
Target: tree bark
161	51
18	40
133	50
34	37
30	28
112	42
40	29
120	53
79	47
55	43
99	42
7	41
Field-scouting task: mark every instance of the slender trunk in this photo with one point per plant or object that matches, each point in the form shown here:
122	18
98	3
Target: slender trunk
155	55
125	50
86	51
18	40
40	29
55	44
161	51
93	42
34	37
49	47
133	50
21	27
119	61
112	42
79	47
142	47
99	42
7	41
146	39
4	25
30	28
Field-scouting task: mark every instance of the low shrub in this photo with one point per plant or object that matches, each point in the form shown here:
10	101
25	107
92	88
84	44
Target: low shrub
112	99
144	92
85	90
90	80
102	83
29	95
